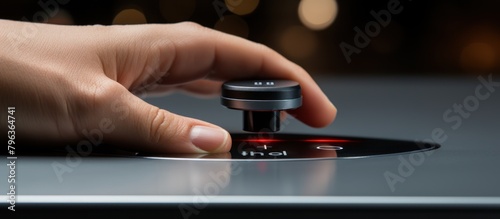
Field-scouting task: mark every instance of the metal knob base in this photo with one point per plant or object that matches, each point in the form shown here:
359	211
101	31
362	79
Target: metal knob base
261	121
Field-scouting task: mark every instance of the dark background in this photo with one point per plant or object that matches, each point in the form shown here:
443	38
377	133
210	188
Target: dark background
445	37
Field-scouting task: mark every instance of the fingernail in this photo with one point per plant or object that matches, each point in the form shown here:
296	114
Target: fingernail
207	138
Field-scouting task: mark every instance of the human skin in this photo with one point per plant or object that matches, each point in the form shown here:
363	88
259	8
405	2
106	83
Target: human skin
67	80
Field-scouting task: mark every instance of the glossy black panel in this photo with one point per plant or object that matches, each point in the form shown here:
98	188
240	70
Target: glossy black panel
273	146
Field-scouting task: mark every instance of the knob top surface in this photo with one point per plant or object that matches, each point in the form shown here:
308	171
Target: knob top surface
261	90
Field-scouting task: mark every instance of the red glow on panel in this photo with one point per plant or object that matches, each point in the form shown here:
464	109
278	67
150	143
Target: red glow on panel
318	140
262	166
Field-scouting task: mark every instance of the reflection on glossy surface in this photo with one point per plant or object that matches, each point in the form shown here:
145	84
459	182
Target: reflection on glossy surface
224	177
208	179
200	178
284	178
308	165
284	147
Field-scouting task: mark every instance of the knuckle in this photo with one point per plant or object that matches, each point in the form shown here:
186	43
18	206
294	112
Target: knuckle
263	46
298	68
195	29
103	94
88	102
191	25
164	126
264	49
97	96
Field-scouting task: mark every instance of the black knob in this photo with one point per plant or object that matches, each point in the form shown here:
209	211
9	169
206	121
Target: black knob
261	101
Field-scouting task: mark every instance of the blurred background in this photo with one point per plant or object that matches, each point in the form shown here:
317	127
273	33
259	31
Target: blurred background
395	37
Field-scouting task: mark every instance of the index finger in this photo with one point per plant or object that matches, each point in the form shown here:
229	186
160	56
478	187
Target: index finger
201	52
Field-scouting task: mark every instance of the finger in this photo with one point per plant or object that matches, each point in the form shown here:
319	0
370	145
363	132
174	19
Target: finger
156	91
202	88
148	128
228	57
235	58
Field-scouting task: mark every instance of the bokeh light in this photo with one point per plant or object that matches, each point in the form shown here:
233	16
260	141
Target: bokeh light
130	16
62	17
242	7
317	14
478	56
233	24
176	11
298	42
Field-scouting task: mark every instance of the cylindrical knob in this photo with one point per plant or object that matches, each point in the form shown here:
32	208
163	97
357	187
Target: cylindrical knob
261	101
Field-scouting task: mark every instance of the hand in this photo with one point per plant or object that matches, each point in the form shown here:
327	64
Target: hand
70	82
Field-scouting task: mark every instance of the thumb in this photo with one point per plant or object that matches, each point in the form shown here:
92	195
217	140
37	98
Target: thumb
144	127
